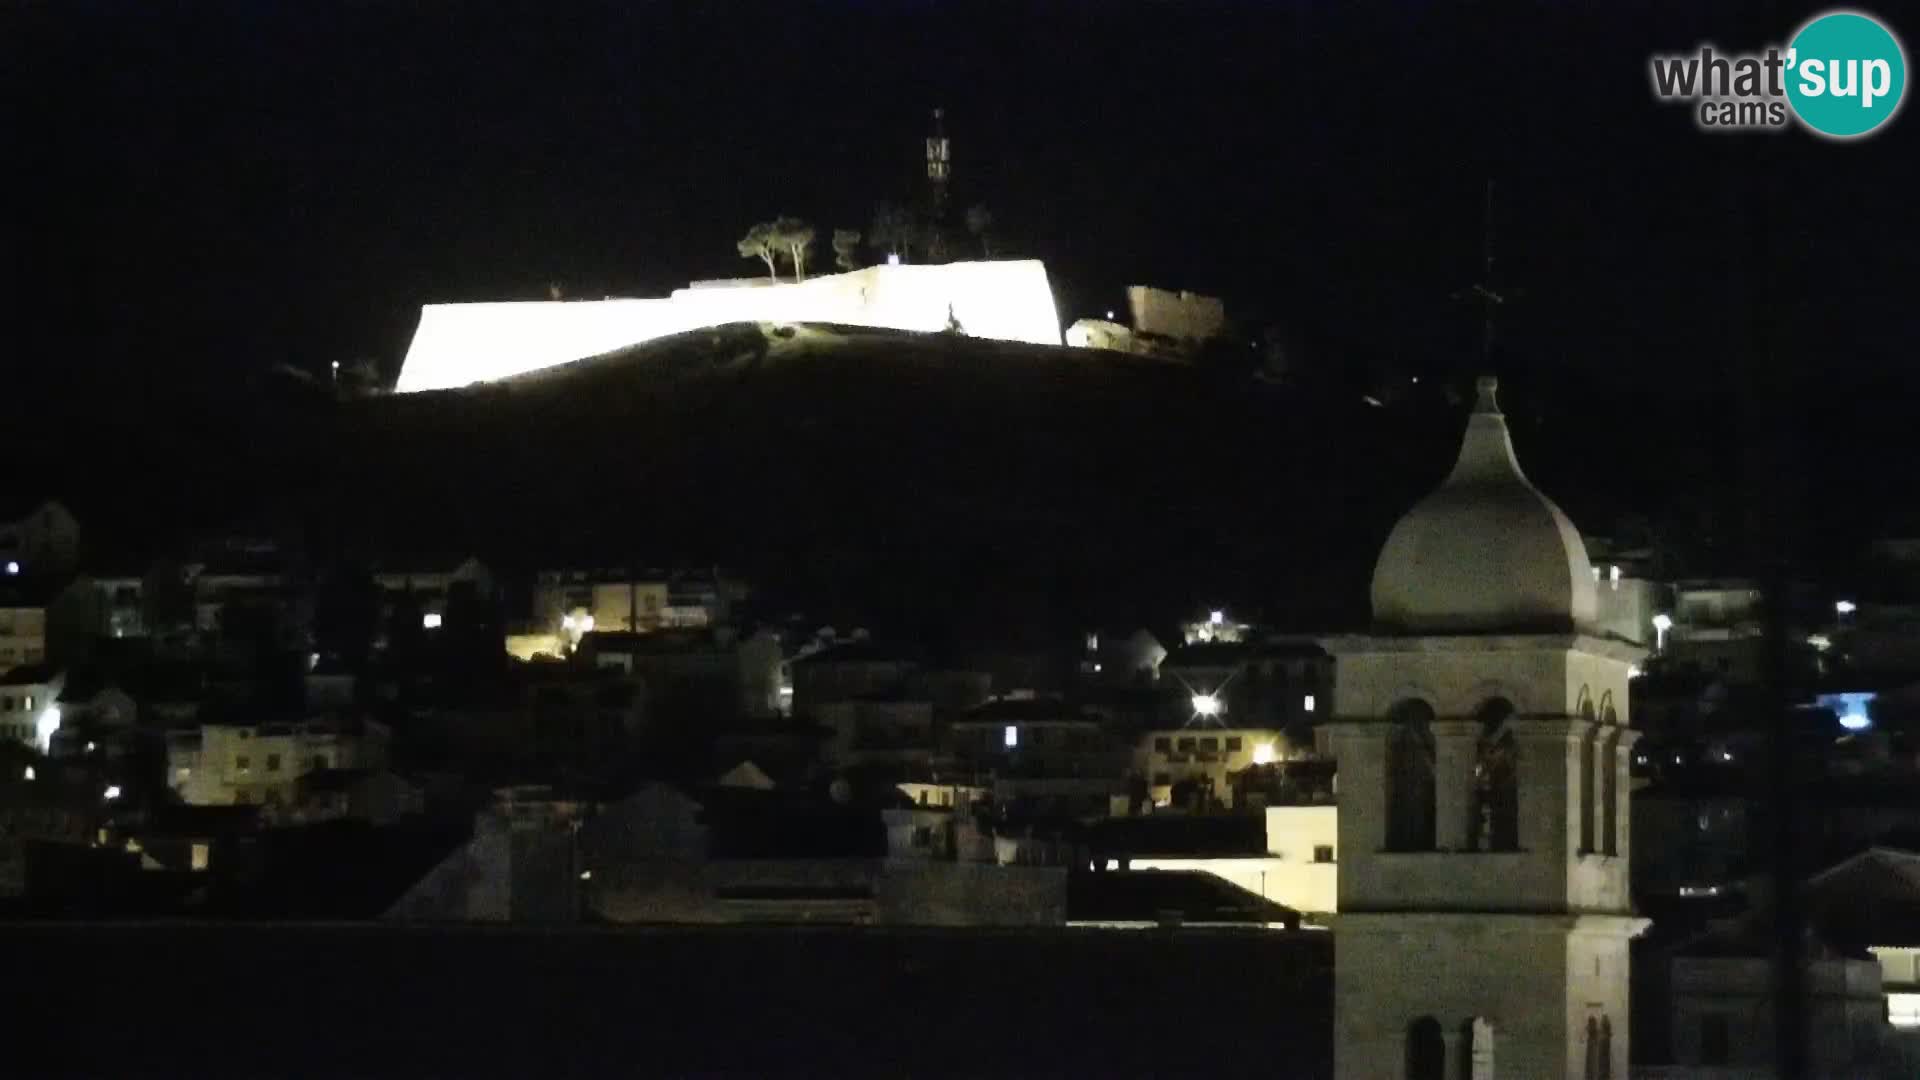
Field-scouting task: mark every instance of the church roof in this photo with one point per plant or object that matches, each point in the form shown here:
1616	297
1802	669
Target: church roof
1486	552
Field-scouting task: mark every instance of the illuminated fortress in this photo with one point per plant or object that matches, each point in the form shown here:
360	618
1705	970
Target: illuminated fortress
461	344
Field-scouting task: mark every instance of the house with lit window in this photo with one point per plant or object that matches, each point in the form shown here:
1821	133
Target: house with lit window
1205	758
1041	753
29	710
1280	683
428	585
579	600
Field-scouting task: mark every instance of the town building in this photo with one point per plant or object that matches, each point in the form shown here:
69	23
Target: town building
1482	740
1206	759
246	764
39	540
29	705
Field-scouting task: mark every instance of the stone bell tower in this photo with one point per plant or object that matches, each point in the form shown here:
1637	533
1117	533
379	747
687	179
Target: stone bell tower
1482	739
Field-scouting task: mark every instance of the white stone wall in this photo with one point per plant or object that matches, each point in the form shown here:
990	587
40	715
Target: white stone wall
461	344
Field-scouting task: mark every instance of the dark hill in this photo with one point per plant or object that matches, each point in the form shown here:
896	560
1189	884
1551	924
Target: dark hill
902	476
915	481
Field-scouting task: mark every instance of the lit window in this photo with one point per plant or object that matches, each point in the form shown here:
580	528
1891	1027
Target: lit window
1010	737
1903	1010
200	856
1306	703
431	620
1263	754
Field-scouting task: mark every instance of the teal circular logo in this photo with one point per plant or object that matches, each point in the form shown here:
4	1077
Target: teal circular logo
1846	74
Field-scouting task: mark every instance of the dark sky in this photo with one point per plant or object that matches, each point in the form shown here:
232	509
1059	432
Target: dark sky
207	189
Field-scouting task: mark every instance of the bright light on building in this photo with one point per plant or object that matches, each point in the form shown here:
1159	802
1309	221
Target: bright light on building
1845	607
1613	575
431	620
1726	755
45	726
1634	672
12	567
893	258
112	792
1855	722
586	875
1663	622
586	624
28	775
1903	1010
1306	703
1820	642
92	746
1263	753
1217	617
1206	704
1011	737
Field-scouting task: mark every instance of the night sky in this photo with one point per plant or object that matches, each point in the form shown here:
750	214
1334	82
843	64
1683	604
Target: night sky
204	190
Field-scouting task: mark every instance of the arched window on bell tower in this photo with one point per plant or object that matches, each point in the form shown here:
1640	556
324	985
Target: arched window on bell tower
1410	782
1426	1050
1495	820
1589	785
1609	763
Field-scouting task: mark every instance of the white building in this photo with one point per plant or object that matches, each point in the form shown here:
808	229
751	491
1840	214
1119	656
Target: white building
28	713
261	764
1482	741
1300	869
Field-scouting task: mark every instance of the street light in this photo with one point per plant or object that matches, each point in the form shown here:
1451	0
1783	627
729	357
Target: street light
1845	607
1206	705
1662	623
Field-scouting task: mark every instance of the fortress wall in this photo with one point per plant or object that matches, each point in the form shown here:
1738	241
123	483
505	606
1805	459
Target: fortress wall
460	344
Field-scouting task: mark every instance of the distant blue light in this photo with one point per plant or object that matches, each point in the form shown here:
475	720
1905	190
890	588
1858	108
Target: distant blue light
1852	707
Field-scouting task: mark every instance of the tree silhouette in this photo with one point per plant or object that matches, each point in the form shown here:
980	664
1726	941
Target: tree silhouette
762	242
846	242
979	221
795	238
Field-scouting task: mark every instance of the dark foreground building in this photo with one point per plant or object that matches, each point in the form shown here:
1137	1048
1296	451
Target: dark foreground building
343	1000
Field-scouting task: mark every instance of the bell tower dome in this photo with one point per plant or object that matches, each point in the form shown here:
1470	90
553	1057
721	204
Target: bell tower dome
1485	552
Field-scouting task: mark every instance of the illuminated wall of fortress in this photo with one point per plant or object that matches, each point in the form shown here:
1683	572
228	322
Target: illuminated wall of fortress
461	344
